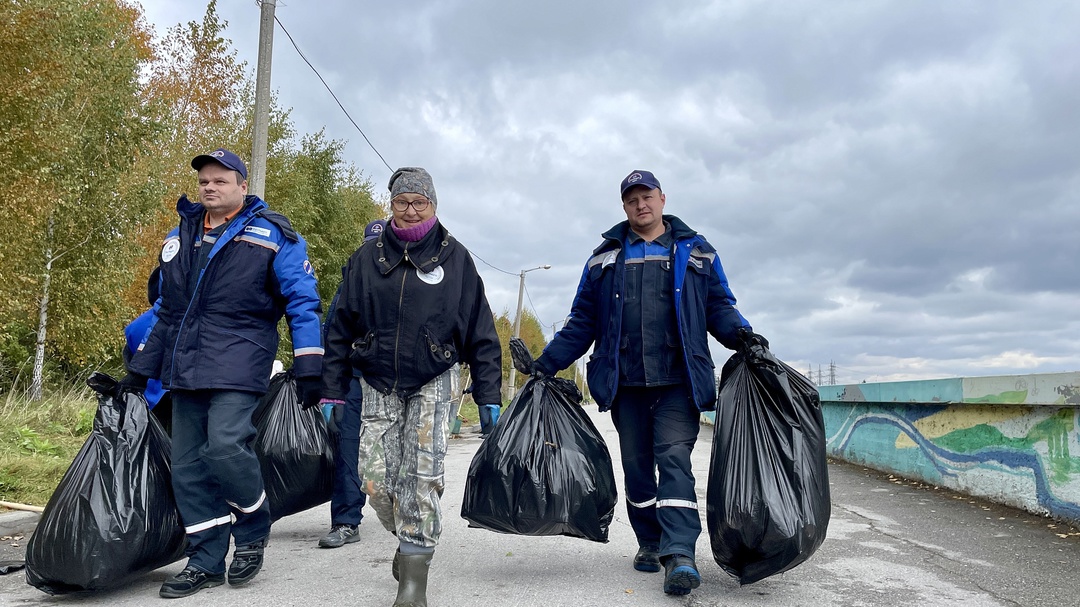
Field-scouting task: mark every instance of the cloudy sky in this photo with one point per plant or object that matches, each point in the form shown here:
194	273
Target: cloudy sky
893	187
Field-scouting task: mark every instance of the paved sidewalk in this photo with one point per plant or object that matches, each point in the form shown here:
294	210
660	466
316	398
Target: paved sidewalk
891	543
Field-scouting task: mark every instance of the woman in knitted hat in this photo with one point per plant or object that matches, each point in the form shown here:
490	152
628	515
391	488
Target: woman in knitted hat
411	307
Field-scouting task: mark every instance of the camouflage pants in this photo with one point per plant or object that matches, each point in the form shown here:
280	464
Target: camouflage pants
402	448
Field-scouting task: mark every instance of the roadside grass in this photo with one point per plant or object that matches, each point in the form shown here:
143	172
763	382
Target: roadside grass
468	415
38	441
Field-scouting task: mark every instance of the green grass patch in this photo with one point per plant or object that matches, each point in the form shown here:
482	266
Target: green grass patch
468	415
38	441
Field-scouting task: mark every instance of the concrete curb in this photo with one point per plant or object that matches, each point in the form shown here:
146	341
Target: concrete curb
18	522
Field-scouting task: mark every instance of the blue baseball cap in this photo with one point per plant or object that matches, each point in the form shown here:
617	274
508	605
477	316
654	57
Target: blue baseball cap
223	157
638	177
374	229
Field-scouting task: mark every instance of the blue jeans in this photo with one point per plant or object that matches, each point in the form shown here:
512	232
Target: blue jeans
658	427
348	499
216	474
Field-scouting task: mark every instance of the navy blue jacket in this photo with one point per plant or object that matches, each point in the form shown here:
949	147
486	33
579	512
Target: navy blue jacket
704	305
219	331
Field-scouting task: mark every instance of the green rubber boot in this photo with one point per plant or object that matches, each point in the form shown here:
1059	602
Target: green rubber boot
412	585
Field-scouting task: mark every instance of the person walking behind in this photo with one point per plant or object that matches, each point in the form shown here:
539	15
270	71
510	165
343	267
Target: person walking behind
412	306
229	272
348	499
649	297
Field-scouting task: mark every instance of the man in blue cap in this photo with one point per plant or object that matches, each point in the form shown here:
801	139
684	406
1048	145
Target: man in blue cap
348	499
649	297
229	272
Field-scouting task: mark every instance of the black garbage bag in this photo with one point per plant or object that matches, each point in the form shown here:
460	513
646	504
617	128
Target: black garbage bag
294	449
768	496
544	469
113	516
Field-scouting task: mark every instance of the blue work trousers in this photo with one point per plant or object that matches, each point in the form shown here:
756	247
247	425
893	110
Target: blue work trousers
658	427
348	499
216	474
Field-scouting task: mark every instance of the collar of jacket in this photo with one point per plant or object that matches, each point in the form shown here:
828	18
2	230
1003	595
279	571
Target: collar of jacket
193	210
614	237
426	254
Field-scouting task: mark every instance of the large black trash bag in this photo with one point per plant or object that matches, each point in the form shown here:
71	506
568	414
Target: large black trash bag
544	469
768	496
294	449
113	516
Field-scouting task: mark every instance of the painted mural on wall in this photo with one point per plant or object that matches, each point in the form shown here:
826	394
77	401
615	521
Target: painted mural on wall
1011	439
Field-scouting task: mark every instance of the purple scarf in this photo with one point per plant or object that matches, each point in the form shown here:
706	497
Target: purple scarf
416	232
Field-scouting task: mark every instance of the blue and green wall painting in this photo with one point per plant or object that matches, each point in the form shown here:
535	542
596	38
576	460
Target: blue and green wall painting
1010	439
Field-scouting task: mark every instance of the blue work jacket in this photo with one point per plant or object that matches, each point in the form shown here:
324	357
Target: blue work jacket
704	305
217	328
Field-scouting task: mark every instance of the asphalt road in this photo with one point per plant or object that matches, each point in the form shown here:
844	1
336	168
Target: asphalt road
890	543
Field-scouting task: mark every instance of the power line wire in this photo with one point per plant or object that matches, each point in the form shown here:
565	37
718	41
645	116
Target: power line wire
346	112
486	263
532	307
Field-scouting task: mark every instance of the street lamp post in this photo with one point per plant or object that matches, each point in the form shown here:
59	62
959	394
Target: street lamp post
517	326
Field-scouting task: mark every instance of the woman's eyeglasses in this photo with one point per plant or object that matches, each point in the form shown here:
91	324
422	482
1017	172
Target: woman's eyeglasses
420	204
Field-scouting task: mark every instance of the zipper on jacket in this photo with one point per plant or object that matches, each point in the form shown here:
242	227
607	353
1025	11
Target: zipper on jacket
397	336
194	292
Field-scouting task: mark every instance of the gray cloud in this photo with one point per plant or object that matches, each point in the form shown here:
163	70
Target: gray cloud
891	186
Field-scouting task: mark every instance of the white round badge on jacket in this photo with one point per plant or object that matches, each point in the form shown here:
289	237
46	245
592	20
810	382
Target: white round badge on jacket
433	277
170	249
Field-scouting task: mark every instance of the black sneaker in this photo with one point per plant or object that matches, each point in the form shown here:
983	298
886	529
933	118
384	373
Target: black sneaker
340	535
188	582
247	561
680	575
647	559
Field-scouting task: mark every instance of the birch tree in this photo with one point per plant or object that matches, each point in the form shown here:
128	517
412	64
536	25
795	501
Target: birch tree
70	128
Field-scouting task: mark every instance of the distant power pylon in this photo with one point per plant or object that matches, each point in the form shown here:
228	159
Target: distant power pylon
832	373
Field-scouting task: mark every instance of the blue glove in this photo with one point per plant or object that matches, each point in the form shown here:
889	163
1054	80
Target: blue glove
489	415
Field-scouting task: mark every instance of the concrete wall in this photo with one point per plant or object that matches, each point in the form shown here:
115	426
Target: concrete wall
1010	439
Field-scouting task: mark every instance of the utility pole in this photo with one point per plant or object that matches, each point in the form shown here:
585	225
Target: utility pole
832	373
517	327
260	136
577	376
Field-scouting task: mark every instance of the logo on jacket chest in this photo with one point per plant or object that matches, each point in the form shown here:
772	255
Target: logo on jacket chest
433	277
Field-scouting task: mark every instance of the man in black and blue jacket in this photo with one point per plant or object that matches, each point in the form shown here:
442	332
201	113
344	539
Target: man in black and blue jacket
648	299
229	272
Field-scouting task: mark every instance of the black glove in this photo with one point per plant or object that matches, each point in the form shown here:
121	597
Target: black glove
750	338
539	370
309	391
133	382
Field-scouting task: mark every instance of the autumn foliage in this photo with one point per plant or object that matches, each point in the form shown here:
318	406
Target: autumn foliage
99	119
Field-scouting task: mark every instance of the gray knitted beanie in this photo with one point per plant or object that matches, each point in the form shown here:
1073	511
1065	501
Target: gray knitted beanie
413	180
